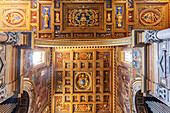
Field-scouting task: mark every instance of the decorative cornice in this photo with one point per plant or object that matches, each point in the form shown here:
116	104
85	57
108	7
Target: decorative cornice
84	43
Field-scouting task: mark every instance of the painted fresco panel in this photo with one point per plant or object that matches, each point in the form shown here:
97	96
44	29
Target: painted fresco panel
123	88
41	80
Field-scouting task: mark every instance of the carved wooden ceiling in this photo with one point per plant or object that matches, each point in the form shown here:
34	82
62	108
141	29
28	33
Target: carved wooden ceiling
87	19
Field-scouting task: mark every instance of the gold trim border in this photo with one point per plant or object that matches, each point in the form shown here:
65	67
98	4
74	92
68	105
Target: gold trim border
84	43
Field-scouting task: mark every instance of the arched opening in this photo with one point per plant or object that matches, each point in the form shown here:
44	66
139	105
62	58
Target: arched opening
140	103
30	89
23	103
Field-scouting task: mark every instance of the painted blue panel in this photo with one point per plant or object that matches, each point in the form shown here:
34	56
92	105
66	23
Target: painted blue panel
34	4
108	31
87	15
49	13
130	3
108	4
57	30
121	12
130	28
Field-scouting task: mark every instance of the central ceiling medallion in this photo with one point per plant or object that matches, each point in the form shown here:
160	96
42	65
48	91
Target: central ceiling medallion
83	82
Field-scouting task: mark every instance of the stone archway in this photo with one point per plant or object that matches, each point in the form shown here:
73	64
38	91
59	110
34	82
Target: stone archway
140	103
23	103
28	87
135	87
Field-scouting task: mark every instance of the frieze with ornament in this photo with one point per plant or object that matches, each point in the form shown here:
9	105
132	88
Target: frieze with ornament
83	55
120	34
83	35
146	15
45	35
83	107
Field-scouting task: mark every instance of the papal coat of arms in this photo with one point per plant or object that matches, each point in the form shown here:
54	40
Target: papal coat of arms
83	81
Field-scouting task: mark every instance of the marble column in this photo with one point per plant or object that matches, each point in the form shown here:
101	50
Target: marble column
164	34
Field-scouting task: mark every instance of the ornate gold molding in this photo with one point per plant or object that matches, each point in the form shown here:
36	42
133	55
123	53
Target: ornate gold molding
83	43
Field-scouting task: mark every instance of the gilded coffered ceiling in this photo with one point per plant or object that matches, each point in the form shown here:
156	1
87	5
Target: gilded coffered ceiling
53	21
